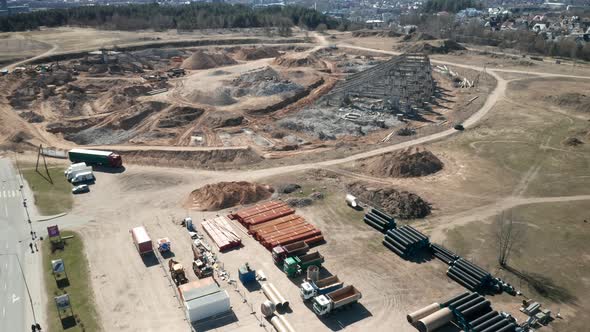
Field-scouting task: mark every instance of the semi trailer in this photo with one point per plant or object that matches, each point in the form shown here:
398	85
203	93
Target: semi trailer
311	289
279	253
95	157
338	299
141	239
294	266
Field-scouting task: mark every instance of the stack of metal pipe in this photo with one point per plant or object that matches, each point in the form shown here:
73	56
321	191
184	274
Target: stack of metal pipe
379	220
443	253
405	241
469	275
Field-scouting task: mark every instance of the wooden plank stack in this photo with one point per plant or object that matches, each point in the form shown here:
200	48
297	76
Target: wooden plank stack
221	232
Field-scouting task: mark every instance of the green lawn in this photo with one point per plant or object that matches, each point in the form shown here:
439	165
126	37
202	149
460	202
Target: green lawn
52	195
79	289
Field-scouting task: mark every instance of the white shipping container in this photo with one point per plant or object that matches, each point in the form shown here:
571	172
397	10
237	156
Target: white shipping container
207	306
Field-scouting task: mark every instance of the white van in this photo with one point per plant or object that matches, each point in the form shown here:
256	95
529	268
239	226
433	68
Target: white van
77	171
74	167
83	177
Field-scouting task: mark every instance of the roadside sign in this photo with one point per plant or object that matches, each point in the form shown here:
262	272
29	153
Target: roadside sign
58	266
62	302
53	231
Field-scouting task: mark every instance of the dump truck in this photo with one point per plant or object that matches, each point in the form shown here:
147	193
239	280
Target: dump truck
177	272
279	253
338	299
142	241
294	266
95	157
201	269
311	289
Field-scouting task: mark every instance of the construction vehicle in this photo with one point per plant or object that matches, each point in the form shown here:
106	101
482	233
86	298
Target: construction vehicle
177	272
164	244
338	299
279	253
176	72
294	266
201	269
311	289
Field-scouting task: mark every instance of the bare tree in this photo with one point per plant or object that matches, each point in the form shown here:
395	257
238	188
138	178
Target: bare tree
507	235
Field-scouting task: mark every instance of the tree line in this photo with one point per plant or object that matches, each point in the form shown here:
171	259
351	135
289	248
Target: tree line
451	6
162	17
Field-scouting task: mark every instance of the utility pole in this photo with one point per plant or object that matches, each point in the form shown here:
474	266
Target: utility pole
25	281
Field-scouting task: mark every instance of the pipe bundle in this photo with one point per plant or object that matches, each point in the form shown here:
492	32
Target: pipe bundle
379	220
405	241
443	253
469	275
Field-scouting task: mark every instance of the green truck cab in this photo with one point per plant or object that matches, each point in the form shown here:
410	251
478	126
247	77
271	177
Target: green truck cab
294	266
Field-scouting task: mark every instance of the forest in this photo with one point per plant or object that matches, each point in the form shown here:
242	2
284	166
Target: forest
451	6
162	17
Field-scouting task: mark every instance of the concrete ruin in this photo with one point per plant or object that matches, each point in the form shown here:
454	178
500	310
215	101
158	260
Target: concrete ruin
403	84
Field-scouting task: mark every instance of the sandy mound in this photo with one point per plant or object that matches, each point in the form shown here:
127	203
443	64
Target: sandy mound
255	53
573	100
213	197
417	36
573	141
400	204
206	60
441	47
296	61
403	164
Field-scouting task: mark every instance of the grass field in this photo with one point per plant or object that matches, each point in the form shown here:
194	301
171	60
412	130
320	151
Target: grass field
78	286
50	198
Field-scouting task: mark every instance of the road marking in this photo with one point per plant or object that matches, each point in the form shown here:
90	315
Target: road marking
5	285
15	298
13	193
3	311
6	210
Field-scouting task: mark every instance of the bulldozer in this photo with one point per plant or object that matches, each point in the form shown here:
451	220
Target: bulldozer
177	272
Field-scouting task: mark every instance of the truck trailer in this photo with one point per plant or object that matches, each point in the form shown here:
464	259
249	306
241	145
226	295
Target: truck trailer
95	157
311	289
279	253
141	239
294	266
338	299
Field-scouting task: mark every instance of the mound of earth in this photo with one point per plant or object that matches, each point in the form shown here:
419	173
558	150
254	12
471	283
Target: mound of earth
573	100
297	61
400	204
444	47
263	82
206	60
213	197
179	116
403	164
375	33
572	141
218	97
32	117
417	36
223	119
255	53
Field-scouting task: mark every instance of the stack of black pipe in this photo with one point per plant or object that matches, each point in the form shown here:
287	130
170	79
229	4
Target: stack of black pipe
443	253
470	275
473	313
379	220
405	241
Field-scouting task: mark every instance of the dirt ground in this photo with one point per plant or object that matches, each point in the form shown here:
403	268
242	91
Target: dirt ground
513	155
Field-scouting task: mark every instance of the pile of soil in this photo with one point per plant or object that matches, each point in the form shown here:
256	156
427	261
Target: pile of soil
255	53
32	117
573	100
400	204
179	116
206	60
403	164
218	97
294	61
417	36
444	47
221	119
213	197
572	141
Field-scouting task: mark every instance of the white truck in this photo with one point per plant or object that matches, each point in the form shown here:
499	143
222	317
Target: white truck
73	168
77	171
338	299
83	177
311	289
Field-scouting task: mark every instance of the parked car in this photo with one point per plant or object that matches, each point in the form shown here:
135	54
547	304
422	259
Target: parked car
83	188
459	127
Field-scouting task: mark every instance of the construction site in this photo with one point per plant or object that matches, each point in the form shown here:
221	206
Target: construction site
338	181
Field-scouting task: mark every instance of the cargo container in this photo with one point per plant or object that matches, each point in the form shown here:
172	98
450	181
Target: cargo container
311	289
325	304
142	241
279	253
95	157
294	266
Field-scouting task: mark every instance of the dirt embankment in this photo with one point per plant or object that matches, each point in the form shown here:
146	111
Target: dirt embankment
218	158
256	53
432	47
572	100
206	60
292	61
400	204
213	197
402	164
